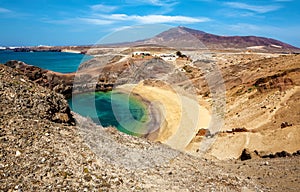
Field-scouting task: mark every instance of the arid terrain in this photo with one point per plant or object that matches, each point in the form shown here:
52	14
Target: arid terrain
228	119
262	98
43	151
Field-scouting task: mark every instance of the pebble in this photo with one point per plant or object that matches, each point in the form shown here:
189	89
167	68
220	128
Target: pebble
266	163
18	153
43	160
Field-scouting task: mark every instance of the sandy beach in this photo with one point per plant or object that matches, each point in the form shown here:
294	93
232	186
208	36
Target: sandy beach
180	116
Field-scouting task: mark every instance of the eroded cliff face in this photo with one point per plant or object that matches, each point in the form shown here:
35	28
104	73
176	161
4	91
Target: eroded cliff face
87	78
99	74
58	82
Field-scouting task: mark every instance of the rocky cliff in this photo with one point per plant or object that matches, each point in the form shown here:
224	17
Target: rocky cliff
58	82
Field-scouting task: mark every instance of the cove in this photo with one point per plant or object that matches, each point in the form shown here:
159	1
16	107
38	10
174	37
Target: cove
126	112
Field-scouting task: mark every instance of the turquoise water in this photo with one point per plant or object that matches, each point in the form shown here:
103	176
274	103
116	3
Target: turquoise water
54	61
125	112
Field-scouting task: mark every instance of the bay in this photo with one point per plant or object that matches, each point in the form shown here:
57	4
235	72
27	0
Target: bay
125	112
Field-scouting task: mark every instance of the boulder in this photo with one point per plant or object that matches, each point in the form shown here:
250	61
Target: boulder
245	155
285	124
297	153
282	154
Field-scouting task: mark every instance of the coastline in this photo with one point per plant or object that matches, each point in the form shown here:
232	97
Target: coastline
150	117
153	116
180	117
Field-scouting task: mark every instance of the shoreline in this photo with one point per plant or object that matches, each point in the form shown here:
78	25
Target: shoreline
153	113
130	101
151	116
152	110
180	116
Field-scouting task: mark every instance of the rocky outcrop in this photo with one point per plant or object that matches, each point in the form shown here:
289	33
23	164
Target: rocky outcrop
285	124
248	154
95	62
148	69
237	130
60	83
64	83
277	81
20	96
203	132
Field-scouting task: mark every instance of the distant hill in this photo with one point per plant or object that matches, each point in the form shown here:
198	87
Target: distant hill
183	37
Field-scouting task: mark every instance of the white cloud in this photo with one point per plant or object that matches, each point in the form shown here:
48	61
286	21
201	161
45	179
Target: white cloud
79	20
254	8
103	8
163	3
154	2
117	17
95	21
61	21
148	19
163	6
154	19
238	14
122	28
98	17
3	10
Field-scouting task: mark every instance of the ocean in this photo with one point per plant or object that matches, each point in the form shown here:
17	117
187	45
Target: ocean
55	61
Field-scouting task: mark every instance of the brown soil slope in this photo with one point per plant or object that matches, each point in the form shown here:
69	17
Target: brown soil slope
263	98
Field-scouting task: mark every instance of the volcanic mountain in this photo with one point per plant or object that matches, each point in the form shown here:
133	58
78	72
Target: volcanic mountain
182	37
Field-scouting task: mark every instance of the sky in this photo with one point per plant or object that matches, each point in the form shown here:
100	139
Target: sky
87	22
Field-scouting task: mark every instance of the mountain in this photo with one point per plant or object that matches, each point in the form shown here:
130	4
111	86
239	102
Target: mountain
183	37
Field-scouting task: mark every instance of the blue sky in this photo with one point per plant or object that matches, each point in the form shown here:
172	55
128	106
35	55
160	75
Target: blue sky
78	22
